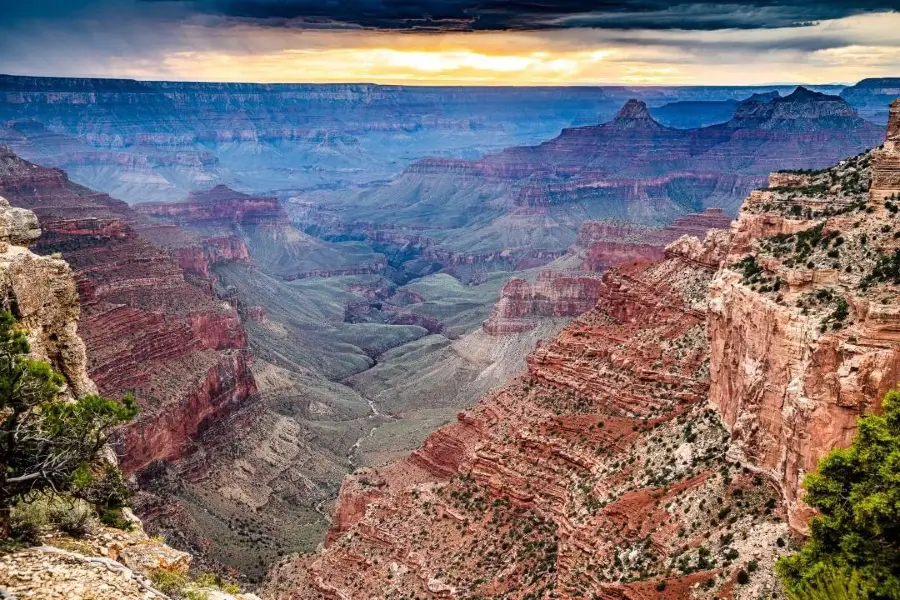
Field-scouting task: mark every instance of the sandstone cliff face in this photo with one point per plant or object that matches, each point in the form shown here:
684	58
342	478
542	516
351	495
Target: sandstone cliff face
40	292
554	294
803	337
600	246
598	474
146	327
110	564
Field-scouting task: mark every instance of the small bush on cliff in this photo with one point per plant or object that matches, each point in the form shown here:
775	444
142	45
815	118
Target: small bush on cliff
886	269
47	445
857	493
830	584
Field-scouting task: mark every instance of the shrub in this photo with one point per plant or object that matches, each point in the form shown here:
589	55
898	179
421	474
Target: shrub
886	269
71	515
830	584
857	531
46	444
171	583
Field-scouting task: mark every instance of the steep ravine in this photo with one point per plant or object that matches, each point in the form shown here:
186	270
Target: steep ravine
655	447
105	563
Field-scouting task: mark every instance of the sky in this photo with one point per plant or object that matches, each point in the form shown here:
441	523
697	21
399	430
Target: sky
474	42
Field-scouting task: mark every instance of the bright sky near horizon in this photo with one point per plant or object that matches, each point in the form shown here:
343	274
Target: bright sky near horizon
493	42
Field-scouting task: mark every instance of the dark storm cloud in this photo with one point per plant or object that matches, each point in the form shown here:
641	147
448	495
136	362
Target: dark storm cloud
523	15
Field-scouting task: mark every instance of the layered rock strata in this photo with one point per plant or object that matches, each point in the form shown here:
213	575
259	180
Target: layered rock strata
803	318
608	245
109	564
147	328
602	473
554	294
600	245
598	474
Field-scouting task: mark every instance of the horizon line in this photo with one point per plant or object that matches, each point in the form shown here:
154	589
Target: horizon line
448	84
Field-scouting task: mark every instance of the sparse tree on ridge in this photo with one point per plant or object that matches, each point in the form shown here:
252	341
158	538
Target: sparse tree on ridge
47	444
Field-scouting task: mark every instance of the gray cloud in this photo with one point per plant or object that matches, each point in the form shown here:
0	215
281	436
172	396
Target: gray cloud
524	15
110	37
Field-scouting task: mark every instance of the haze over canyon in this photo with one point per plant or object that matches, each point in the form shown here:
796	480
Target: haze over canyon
450	341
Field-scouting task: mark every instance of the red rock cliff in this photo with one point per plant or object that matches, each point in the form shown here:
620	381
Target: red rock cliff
804	333
147	329
599	474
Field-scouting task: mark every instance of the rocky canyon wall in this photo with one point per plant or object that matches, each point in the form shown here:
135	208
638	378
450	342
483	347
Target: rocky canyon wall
147	328
804	323
601	473
40	292
655	448
601	245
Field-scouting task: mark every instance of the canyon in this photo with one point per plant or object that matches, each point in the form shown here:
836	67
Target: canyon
149	329
318	285
212	313
505	206
106	563
654	449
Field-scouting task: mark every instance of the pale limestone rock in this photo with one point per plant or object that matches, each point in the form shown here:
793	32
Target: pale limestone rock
40	291
17	225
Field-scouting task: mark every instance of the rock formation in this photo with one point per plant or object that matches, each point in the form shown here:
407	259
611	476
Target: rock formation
886	162
602	473
40	292
554	294
600	245
871	96
803	320
599	474
147	328
229	226
609	245
109	564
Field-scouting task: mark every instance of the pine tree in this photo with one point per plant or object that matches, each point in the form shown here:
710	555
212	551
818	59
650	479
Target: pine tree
47	444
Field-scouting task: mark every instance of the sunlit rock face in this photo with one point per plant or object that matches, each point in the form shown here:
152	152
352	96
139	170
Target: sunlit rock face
795	363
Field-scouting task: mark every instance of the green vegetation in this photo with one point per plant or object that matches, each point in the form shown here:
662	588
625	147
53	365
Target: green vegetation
802	171
886	269
178	585
754	275
830	584
47	445
854	543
